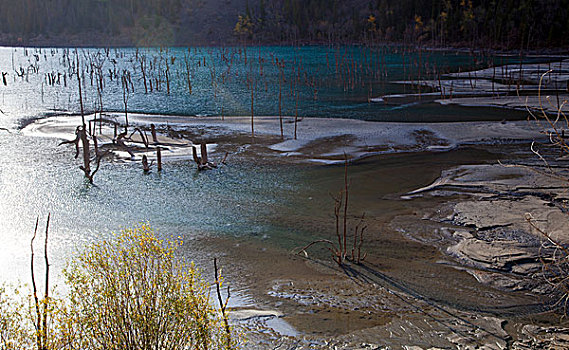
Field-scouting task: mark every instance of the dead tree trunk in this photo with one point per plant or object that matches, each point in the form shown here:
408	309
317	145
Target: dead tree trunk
86	153
125	94
159	158
153	132
41	306
203	149
80	91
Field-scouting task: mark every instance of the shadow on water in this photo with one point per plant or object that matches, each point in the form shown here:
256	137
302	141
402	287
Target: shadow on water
365	273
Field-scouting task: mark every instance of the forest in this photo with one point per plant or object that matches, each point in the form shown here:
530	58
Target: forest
510	24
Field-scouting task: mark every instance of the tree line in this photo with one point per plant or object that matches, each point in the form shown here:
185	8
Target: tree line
513	24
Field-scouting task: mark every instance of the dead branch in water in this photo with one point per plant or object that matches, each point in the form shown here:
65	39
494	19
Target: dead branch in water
336	254
120	142
74	141
142	134
224	158
339	252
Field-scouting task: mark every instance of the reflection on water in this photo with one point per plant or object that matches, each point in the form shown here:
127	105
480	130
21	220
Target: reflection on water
37	177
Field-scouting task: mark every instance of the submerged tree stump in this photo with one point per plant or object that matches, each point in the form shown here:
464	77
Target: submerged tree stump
153	132
202	162
145	165
159	158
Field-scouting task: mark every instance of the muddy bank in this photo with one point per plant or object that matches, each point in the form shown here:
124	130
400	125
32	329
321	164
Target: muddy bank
421	283
493	221
414	289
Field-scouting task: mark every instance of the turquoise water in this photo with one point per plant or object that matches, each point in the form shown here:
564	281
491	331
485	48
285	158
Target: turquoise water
314	81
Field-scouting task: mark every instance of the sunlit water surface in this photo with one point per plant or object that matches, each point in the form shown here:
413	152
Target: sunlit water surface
37	177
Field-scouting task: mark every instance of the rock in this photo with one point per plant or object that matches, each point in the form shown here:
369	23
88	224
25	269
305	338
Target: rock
535	337
498	255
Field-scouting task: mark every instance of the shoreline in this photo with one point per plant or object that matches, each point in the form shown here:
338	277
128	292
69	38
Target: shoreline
122	41
313	302
534	87
319	141
369	303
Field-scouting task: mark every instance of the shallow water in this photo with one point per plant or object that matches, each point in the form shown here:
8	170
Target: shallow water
37	177
281	206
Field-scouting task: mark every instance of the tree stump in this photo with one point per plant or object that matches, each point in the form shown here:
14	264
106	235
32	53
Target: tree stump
202	162
153	131
145	165
159	158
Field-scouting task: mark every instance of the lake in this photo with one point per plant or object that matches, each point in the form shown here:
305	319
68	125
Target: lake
282	205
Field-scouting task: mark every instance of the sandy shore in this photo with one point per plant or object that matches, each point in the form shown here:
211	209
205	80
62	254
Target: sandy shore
510	86
318	140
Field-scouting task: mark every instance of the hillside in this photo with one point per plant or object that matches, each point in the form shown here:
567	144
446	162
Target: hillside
512	24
